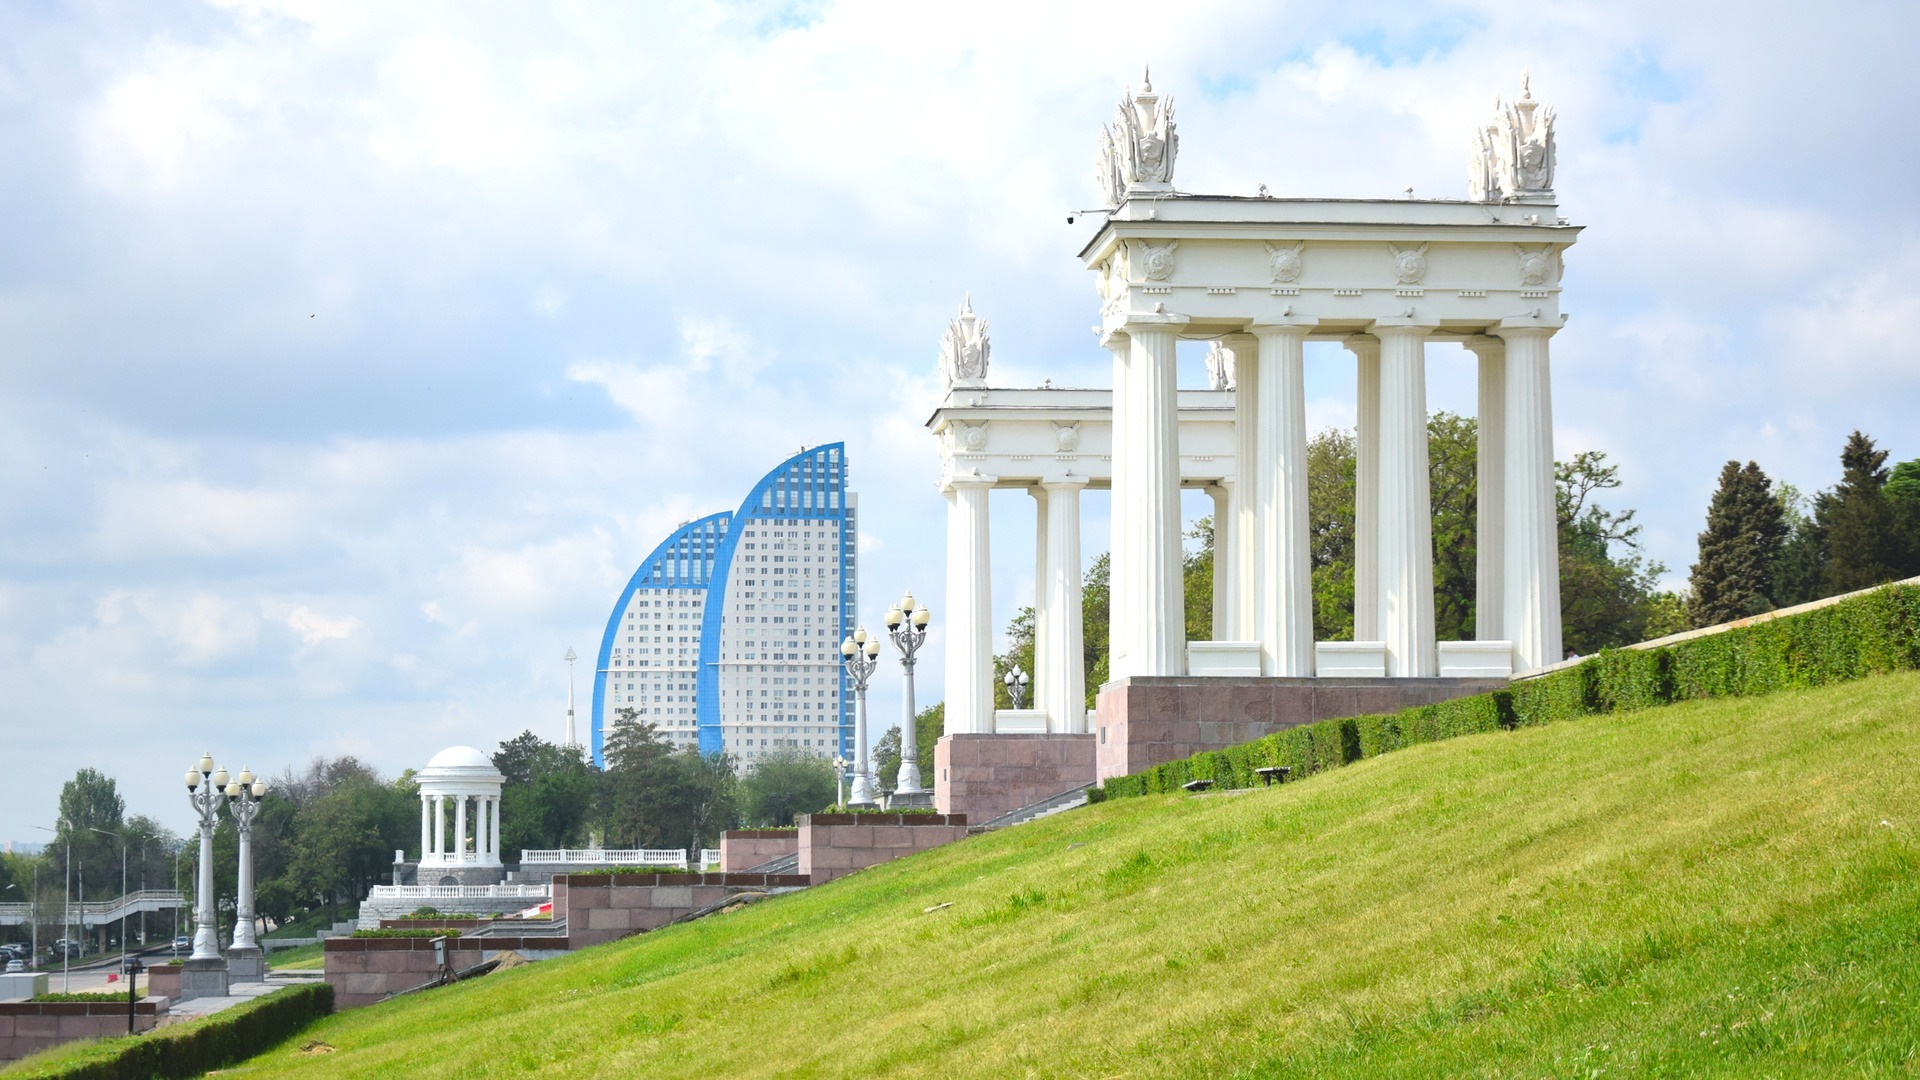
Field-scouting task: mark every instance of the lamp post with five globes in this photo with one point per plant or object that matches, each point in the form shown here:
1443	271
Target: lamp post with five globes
907	624
862	653
206	782
243	805
1017	687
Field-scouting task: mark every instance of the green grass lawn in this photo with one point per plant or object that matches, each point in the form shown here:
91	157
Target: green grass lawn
1712	888
298	958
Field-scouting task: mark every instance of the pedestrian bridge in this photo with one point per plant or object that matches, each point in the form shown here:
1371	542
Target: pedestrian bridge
98	912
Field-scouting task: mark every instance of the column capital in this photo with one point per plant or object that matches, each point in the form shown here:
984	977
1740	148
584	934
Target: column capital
1482	344
1403	326
1112	337
1523	326
1285	325
1052	483
967	480
1134	322
1361	344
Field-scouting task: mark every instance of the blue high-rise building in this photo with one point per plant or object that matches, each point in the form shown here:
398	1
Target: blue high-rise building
728	636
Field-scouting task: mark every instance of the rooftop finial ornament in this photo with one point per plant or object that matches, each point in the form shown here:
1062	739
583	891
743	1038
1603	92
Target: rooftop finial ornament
964	349
1514	155
1137	151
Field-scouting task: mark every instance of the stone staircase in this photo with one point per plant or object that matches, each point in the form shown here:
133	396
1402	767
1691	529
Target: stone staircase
785	864
1066	800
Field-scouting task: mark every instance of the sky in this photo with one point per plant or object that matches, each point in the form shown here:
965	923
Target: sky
353	355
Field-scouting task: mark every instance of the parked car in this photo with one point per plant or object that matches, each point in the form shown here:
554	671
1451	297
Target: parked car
182	945
14	966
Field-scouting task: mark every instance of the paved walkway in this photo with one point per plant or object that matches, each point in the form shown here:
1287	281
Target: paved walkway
236	993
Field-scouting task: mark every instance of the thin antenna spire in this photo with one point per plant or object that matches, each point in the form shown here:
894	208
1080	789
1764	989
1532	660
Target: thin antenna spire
570	658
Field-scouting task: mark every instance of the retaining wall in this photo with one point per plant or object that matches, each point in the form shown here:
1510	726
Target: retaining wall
28	1027
835	845
364	970
985	776
743	849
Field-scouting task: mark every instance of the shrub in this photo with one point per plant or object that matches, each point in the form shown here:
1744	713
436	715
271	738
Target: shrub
226	1038
413	932
1874	633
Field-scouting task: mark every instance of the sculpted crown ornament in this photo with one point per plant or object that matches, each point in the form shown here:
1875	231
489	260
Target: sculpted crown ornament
1137	150
1220	367
964	350
1514	155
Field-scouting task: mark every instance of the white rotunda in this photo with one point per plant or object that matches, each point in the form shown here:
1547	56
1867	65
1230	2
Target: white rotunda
470	853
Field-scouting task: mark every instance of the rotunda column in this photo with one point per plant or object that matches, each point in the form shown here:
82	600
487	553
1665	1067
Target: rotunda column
1366	486
970	607
1064	680
1223	559
1405	504
439	826
460	828
1042	625
1244	538
1121	620
1286	576
1490	497
423	826
1532	533
1152	495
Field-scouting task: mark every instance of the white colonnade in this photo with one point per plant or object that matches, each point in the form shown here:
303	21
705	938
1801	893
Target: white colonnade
462	779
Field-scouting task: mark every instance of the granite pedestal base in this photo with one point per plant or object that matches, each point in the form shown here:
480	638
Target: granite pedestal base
985	776
1147	720
203	978
910	800
246	965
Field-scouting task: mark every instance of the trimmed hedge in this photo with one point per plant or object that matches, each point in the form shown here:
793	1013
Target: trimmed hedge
408	932
226	1038
1871	634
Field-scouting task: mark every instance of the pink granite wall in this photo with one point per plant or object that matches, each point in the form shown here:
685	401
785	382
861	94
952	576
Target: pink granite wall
1145	721
602	907
835	845
28	1027
743	849
985	776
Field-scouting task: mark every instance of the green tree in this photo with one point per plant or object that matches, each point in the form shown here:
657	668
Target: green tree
1096	603
1745	535
1903	485
785	784
1869	537
1453	485
89	801
1331	472
549	794
1608	593
653	796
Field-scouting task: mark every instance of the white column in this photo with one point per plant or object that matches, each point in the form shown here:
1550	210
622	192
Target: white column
1153	497
424	815
1244	540
493	828
1121	617
1532	535
1366	487
1042	629
969	608
439	825
460	829
1286	576
1064	679
1223	559
1406	516
1490	494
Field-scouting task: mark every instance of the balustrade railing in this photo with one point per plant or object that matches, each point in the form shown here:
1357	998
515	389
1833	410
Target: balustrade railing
460	892
606	856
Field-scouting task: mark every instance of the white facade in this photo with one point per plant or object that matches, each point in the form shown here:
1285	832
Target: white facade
727	638
1259	277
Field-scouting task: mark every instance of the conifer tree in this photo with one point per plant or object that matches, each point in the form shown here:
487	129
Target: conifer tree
1867	533
1746	531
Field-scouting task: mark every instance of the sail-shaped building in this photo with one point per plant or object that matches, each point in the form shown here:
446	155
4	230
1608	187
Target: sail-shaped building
728	635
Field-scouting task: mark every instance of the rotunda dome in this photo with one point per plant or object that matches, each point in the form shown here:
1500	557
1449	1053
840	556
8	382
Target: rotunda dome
460	757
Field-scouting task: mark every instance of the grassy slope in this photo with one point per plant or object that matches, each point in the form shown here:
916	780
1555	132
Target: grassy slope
1714	887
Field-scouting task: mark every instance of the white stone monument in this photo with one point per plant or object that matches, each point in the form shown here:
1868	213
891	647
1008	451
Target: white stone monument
460	779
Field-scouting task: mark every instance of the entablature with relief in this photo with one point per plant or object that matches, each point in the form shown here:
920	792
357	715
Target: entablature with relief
1024	437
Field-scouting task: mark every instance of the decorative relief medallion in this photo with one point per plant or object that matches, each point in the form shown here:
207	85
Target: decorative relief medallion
1535	266
1156	263
970	437
1286	263
1409	264
1066	437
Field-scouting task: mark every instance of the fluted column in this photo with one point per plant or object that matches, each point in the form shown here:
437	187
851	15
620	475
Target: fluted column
460	829
1223	558
1532	544
1063	682
1286	575
1406	516
493	830
1366	487
425	814
1243	540
1121	619
1490	497
1153	497
1042	626
969	608
440	826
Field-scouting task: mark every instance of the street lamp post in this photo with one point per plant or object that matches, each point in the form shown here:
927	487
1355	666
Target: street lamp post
245	960
840	766
66	908
122	837
1016	681
907	625
205	972
862	653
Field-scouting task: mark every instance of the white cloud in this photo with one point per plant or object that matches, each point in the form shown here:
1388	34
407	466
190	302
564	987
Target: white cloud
314	628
